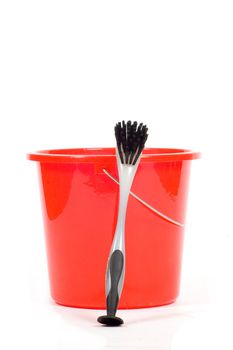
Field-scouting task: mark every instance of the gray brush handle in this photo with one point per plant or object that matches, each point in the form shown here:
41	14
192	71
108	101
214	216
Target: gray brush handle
116	263
115	277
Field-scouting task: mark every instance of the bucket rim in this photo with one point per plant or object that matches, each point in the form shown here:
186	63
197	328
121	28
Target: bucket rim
108	154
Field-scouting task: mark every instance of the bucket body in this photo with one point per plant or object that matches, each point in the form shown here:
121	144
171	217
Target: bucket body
80	205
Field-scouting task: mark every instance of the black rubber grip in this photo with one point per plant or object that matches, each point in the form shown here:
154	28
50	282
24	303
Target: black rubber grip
116	265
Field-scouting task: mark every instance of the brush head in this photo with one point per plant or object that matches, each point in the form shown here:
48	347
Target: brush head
130	139
111	321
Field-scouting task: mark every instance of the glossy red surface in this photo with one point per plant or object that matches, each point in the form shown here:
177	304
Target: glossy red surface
100	155
80	204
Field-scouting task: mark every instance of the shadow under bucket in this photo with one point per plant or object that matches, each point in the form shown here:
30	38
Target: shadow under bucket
79	192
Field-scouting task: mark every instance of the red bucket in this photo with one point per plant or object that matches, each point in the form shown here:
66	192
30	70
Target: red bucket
80	202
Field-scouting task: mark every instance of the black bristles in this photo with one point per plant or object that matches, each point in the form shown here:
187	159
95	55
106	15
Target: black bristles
130	139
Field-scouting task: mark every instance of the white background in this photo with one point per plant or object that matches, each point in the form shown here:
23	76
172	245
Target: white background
68	71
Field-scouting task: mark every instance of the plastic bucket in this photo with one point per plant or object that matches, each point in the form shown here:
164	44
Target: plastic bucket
80	202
